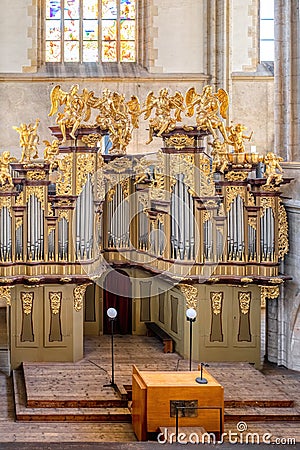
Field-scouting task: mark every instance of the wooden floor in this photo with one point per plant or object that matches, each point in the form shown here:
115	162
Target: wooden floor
266	402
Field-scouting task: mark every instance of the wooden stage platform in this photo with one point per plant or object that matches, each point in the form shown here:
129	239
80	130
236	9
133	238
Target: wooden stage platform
52	393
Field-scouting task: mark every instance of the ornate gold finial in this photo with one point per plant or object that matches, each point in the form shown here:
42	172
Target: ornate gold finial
5	176
28	140
191	293
79	292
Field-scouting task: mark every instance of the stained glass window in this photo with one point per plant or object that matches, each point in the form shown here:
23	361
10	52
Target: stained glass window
90	30
267	30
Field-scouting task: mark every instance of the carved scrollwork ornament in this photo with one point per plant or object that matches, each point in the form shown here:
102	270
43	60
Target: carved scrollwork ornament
190	293
270	292
79	292
216	299
283	241
85	166
236	176
6	294
55	302
27	300
232	192
91	140
244	301
180	141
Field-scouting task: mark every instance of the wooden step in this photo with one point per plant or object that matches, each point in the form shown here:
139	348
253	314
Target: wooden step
250	414
74	414
57	385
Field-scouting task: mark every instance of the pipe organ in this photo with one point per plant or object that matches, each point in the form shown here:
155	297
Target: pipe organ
197	211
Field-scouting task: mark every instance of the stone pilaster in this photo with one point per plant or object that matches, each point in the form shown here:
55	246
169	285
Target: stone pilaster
287	75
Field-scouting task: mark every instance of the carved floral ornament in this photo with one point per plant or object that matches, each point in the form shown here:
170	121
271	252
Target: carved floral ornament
79	293
191	293
244	302
55	302
27	301
216	302
270	292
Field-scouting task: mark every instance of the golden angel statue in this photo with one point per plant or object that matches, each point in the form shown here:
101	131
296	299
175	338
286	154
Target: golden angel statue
29	140
5	176
236	137
76	109
272	163
163	121
208	106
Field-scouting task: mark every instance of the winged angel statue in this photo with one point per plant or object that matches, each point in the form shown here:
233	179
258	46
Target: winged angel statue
208	106
76	108
163	121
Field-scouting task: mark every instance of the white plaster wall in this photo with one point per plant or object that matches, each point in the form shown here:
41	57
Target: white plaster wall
252	103
14	43
241	35
179	41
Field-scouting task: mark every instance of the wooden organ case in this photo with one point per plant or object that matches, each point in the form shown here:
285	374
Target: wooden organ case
202	218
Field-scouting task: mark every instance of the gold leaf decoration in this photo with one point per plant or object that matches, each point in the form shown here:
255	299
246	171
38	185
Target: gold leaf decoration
91	140
236	176
283	229
79	292
244	301
64	182
55	302
27	301
6	294
180	141
191	293
85	166
270	292
216	299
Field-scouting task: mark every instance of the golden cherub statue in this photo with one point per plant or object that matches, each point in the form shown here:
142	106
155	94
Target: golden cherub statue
51	150
272	163
236	137
219	154
29	140
163	121
5	176
207	107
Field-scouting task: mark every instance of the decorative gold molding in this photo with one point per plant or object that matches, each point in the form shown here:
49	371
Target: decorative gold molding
216	300
38	192
64	182
236	176
246	280
180	141
232	192
79	293
85	165
244	302
36	175
270	292
283	229
6	293
55	302
276	280
5	202
190	293
27	300
91	139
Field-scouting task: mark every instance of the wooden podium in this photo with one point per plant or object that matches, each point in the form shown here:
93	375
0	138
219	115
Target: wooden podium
156	396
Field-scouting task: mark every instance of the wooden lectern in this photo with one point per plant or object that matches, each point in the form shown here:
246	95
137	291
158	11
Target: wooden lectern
157	395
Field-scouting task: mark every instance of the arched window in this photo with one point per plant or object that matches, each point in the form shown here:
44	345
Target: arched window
90	31
266	30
